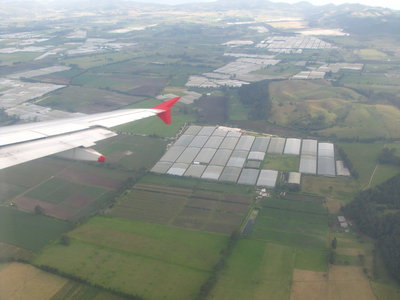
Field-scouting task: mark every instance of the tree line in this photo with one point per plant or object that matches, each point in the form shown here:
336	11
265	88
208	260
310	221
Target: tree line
376	213
255	96
388	156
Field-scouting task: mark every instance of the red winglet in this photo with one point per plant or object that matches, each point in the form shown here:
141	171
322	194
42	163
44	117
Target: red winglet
101	159
166	106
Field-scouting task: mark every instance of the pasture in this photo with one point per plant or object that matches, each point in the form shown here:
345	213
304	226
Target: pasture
338	188
281	162
365	122
29	231
256	270
364	158
301	90
134	257
292	223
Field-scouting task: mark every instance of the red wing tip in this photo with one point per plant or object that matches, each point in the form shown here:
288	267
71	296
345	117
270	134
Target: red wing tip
101	159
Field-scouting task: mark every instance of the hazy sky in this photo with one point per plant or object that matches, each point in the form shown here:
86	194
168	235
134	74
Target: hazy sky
394	4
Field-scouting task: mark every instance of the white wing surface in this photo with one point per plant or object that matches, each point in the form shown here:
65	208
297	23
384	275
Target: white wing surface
25	142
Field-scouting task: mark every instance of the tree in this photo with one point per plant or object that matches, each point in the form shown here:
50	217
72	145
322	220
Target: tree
65	240
39	210
334	243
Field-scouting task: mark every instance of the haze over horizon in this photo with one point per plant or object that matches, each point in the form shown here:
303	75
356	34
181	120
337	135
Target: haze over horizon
384	3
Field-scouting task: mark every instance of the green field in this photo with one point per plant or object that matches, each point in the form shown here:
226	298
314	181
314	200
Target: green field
371	54
339	187
56	190
135	257
256	270
281	162
91	61
87	100
129	152
367	122
364	158
187	208
29	231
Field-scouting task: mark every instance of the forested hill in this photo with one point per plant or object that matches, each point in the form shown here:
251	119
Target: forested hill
376	213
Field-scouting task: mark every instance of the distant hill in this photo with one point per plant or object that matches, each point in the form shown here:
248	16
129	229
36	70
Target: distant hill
353	18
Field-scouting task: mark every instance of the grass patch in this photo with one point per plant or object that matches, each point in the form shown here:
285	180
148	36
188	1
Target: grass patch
29	231
371	54
132	152
338	187
290	227
281	162
256	270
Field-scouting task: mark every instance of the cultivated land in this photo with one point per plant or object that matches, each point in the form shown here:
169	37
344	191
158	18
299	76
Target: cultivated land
183	207
163	237
132	257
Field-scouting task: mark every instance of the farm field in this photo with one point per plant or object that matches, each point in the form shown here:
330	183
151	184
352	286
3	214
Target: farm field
87	100
198	184
127	152
29	231
343	282
132	257
292	227
74	191
364	158
91	61
23	281
183	207
337	188
281	162
148	87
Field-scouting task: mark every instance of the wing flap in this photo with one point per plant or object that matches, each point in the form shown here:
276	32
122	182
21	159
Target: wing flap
26	151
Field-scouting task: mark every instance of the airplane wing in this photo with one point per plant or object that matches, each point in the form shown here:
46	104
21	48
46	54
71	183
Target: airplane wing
70	137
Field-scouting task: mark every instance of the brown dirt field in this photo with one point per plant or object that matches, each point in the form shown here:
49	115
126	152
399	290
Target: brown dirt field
342	283
10	251
50	209
79	201
23	281
89	179
333	205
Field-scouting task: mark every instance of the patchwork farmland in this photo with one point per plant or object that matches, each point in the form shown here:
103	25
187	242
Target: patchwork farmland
183	207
